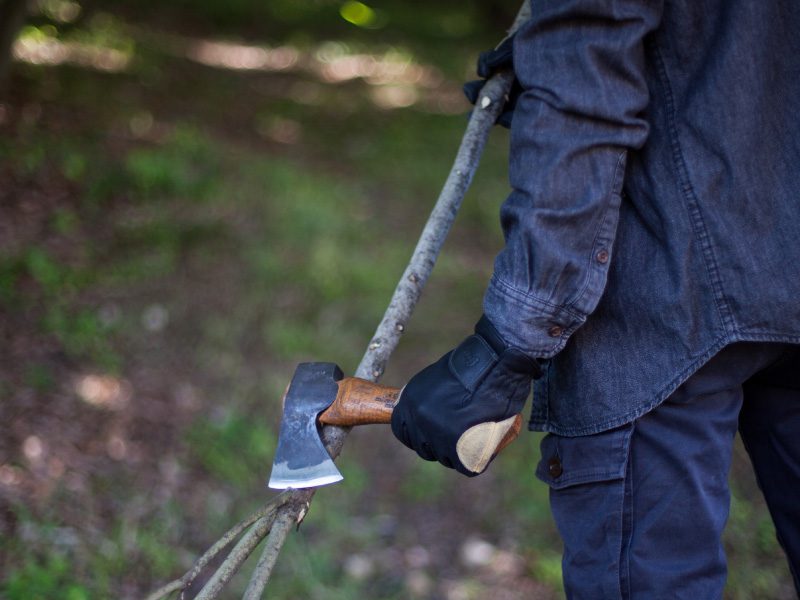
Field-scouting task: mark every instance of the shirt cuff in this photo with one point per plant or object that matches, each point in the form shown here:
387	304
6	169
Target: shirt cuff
536	327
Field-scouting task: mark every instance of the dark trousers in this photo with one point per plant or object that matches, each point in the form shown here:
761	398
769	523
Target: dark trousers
641	508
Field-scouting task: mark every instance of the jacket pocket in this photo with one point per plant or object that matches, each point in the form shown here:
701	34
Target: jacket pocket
570	461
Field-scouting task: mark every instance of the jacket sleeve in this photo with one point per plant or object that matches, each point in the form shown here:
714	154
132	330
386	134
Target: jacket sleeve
581	67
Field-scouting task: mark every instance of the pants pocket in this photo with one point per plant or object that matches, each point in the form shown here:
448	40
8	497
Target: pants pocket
588	498
569	461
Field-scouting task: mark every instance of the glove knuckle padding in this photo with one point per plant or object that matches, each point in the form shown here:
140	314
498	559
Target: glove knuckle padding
477	445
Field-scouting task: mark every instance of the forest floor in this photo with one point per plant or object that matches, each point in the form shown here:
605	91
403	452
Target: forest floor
190	205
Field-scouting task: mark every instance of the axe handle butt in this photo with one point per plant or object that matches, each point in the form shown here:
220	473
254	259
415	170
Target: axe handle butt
360	402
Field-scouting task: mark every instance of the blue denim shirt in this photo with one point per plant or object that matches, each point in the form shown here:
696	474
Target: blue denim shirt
655	211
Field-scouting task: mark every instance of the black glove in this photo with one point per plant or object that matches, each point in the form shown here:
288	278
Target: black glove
484	380
489	63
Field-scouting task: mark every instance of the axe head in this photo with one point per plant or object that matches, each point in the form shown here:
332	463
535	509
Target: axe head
301	460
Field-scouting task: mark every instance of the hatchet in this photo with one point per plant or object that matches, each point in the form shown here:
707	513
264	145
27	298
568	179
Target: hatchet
319	394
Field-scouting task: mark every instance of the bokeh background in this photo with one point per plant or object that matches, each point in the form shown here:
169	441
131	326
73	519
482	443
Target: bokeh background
197	195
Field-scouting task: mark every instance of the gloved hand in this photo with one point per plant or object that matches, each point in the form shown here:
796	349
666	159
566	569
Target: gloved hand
489	63
443	411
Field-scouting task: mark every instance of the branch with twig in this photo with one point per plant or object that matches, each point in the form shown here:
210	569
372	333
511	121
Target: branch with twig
275	519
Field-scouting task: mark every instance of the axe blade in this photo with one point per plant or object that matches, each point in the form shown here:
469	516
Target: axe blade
301	460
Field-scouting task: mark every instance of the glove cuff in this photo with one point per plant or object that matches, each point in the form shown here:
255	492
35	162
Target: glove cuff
517	359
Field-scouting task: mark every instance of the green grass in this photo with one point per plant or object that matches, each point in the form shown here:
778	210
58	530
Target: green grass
51	577
235	449
184	166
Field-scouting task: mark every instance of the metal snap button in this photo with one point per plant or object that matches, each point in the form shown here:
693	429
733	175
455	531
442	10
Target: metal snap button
555	331
554	468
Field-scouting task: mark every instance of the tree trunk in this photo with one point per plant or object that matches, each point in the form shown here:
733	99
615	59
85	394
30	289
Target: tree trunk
12	18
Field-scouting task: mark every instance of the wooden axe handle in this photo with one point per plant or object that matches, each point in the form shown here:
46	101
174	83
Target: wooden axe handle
361	402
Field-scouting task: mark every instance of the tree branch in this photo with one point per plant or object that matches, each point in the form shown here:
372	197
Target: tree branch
383	343
267	511
263	570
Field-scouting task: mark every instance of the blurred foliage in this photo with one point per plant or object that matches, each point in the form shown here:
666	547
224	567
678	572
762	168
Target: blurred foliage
194	230
184	165
233	450
52	578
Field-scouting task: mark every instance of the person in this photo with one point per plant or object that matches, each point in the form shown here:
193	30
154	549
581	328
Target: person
649	284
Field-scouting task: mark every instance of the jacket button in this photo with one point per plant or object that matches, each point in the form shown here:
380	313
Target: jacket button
555	331
554	468
602	257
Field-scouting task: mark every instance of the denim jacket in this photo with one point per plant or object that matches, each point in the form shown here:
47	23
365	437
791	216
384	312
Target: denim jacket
654	216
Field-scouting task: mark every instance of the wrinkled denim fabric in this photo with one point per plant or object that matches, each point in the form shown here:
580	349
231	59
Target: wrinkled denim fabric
654	216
